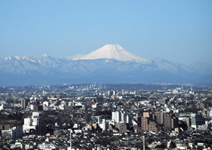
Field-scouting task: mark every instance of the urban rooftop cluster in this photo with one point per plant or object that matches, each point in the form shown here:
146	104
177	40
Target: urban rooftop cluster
98	116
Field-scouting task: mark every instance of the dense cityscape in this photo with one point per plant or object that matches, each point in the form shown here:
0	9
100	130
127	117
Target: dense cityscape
110	116
105	75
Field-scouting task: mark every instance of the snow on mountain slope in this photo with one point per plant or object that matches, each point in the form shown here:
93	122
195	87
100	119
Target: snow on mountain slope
112	51
24	70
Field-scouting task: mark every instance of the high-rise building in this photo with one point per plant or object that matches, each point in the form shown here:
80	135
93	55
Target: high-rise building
144	124
34	124
148	122
24	103
193	121
159	117
170	121
120	117
116	116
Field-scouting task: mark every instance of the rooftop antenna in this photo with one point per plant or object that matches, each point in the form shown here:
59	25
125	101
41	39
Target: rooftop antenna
70	147
143	142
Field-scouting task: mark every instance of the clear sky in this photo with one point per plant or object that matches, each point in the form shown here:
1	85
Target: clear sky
176	30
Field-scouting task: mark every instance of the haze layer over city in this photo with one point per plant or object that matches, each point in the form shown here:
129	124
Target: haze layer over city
103	75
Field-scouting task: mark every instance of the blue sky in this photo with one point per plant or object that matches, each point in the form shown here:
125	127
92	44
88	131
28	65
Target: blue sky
179	31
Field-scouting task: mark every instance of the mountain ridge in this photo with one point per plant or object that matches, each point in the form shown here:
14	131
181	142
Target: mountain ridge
45	69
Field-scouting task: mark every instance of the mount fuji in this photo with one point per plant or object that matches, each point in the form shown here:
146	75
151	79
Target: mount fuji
112	51
108	64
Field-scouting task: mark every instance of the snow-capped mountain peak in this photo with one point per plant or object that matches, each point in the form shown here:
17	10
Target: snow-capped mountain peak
112	51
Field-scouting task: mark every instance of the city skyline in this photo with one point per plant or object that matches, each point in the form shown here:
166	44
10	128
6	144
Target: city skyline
179	31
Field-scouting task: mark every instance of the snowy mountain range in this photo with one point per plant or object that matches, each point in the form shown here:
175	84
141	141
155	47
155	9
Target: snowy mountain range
109	64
